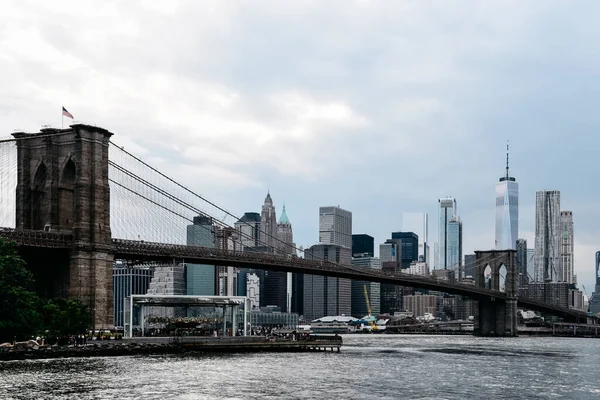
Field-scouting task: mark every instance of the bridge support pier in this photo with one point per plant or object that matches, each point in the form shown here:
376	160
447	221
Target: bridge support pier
496	317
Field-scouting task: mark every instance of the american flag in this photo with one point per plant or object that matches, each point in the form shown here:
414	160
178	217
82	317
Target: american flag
67	114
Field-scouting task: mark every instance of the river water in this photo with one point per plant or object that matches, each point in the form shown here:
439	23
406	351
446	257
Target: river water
369	367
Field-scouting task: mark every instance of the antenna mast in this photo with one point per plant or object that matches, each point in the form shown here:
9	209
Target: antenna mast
507	160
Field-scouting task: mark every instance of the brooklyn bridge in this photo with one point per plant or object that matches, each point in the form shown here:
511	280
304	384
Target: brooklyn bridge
75	203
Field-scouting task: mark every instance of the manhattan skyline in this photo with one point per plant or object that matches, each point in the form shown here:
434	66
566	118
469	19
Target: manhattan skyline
383	112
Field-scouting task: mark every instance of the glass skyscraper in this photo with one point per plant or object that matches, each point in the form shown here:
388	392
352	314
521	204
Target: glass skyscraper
454	254
507	211
446	211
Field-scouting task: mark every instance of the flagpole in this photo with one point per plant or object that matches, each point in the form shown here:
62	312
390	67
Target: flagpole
62	121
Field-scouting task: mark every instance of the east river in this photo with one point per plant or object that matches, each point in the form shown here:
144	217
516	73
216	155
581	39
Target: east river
369	367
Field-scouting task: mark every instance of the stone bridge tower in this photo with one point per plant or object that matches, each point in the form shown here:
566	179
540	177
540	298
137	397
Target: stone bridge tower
63	187
496	317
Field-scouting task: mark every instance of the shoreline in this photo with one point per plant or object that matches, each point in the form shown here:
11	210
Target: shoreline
174	345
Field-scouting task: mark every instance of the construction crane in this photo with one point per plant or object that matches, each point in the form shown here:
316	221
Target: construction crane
371	322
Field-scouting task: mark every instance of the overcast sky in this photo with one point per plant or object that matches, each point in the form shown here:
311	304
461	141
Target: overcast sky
381	107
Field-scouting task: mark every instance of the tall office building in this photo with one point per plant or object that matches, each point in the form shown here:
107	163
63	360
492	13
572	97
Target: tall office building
522	261
363	245
507	211
248	228
547	236
287	246
359	302
200	278
470	263
126	281
566	273
454	253
268	223
226	275
595	299
335	226
409	245
324	295
447	211
419	224
285	234
390	255
531	264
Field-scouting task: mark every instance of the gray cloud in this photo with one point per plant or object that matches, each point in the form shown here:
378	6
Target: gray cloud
378	107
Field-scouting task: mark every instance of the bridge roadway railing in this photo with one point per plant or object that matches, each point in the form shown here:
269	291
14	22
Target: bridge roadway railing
149	251
33	238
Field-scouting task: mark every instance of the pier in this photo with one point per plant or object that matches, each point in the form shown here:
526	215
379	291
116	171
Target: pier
176	345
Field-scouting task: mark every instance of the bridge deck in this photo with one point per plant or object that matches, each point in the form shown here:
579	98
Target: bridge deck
141	251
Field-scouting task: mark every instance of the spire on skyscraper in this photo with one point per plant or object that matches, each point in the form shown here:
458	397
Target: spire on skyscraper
283	218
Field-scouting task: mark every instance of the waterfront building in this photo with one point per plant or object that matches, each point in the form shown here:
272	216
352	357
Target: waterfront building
419	224
325	295
522	261
566	271
547	236
447	211
507	211
127	281
363	245
248	228
200	278
420	304
335	226
454	250
409	243
268	223
359	304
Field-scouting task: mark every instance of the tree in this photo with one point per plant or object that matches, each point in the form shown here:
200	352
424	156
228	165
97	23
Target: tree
19	305
65	317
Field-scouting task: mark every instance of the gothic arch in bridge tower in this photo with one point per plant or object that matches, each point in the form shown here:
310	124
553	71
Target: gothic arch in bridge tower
38	197
66	195
502	272
487	277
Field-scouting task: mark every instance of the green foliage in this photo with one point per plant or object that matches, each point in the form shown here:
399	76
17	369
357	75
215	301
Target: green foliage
19	305
63	317
22	313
